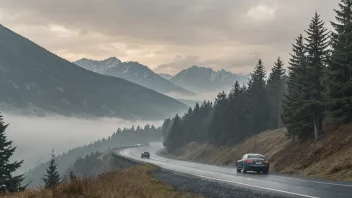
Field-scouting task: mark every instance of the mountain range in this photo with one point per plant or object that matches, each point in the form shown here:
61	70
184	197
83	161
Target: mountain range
203	79
134	72
34	80
196	79
166	76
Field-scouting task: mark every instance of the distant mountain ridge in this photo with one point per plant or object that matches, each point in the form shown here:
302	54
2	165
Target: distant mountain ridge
203	79
134	72
166	76
33	78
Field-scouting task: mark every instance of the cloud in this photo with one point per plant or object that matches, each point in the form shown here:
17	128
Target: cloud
154	32
231	63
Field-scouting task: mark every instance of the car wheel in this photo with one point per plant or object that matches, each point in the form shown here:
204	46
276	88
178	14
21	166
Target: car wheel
238	170
244	170
258	172
265	172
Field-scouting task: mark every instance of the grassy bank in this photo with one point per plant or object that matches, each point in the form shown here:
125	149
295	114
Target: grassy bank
329	157
135	182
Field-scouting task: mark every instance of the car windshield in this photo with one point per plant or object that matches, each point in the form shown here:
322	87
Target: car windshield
256	156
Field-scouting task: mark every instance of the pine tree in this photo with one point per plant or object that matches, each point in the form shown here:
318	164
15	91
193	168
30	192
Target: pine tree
12	183
52	177
138	129
295	116
173	138
166	127
275	86
258	96
72	176
235	90
206	112
196	121
340	68
238	112
219	124
317	56
186	133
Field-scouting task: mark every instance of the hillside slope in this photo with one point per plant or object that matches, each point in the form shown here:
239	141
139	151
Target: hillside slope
118	139
133	182
33	80
330	157
134	72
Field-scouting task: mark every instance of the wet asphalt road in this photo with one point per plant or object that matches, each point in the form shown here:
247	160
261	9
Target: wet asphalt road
292	186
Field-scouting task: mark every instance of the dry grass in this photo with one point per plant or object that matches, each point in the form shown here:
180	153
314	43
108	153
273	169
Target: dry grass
136	182
268	143
330	157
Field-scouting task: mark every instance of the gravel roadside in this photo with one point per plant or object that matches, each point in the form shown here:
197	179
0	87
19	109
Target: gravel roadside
207	188
210	189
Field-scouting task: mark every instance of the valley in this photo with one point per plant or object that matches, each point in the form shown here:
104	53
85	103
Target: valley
34	81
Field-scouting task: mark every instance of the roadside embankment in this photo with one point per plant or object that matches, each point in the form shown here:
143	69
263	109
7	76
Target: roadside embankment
329	157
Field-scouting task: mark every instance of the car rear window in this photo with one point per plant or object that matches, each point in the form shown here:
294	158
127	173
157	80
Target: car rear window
256	156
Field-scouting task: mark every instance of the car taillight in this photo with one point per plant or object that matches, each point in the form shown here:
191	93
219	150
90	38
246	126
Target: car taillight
266	162
249	161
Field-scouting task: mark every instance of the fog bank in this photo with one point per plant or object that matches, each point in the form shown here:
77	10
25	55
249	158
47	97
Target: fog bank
35	137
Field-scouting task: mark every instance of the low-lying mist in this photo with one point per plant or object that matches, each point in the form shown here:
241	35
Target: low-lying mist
35	137
200	97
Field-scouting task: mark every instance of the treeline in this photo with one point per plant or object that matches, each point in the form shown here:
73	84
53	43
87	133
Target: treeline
120	138
88	166
318	87
245	111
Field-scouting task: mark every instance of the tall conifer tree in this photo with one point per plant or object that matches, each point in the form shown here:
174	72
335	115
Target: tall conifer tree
295	116
340	68
317	57
275	86
12	183
173	139
52	177
258	95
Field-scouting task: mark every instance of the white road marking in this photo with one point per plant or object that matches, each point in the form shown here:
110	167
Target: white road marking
228	181
318	182
238	183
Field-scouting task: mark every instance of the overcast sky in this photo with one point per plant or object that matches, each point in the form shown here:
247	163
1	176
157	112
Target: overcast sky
167	35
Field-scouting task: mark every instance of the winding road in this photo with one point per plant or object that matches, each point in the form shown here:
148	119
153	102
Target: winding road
279	184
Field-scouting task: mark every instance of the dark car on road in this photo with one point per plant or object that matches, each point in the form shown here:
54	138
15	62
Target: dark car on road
253	162
145	154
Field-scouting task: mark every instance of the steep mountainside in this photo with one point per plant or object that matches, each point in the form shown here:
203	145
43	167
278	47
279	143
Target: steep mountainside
33	80
202	79
166	76
134	72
